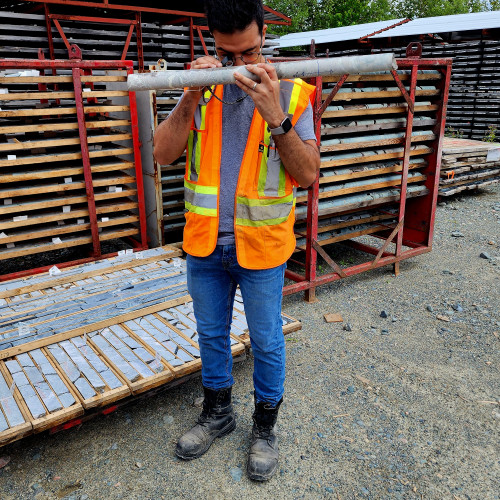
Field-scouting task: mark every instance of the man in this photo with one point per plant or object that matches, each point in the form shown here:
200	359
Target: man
248	146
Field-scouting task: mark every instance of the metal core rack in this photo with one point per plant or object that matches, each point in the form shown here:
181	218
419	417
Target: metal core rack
381	141
70	163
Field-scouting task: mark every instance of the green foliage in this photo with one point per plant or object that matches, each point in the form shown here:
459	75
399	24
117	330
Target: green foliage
453	133
308	15
491	135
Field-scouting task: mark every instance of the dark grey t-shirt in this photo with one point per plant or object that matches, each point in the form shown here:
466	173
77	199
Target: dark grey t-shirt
236	121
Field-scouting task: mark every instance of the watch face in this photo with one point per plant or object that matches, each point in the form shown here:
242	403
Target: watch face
286	124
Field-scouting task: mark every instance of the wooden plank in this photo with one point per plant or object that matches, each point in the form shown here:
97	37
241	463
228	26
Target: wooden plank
36	79
377	111
35	160
382	94
35	96
50	143
380	78
371	144
368	173
67	201
36	344
62	187
61	111
106	209
43	127
356	189
374	158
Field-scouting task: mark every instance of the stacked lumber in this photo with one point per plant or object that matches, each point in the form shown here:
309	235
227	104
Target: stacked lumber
362	143
468	165
43	193
96	334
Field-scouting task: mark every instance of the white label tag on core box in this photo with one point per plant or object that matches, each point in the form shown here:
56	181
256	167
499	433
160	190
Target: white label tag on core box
54	270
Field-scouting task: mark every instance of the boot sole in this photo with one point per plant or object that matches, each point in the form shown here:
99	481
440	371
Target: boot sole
226	430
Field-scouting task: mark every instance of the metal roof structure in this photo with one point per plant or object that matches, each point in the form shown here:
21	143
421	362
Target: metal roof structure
335	34
445	24
421	26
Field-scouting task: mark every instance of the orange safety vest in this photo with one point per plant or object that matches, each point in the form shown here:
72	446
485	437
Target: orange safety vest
265	193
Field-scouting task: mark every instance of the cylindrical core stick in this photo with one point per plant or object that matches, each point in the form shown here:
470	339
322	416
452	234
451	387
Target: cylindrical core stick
326	66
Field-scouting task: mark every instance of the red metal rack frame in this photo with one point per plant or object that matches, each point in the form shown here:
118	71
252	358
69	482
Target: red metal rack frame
415	225
79	68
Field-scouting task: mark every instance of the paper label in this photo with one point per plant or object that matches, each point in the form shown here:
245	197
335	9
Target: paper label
80	221
54	270
3	235
67	208
118	189
56	240
7	201
104	219
18	218
23	328
11	157
493	155
67	180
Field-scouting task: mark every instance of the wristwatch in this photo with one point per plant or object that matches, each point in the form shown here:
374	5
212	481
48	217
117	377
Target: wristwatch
285	127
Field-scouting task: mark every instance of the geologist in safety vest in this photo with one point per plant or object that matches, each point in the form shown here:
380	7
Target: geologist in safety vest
249	145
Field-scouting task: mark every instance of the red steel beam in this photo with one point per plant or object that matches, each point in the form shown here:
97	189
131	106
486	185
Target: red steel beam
406	163
106	5
87	172
127	41
351	271
140	48
90	19
61	32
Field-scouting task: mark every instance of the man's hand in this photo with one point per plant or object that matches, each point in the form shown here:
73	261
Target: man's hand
266	94
172	134
206	62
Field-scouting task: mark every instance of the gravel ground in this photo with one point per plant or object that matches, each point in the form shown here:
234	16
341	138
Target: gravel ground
402	407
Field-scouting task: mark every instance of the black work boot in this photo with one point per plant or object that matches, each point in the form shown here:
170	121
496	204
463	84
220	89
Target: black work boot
263	456
216	420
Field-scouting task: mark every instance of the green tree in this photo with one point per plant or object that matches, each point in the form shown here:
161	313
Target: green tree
310	15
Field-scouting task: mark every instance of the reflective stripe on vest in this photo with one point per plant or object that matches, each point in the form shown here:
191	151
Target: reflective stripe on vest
263	212
194	140
272	175
201	199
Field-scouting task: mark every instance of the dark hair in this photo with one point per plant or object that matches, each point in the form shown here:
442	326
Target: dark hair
228	16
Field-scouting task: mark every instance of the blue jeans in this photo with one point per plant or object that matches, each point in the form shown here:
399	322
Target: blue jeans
212	284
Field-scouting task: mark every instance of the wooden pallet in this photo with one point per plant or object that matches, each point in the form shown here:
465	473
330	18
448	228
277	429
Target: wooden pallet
97	334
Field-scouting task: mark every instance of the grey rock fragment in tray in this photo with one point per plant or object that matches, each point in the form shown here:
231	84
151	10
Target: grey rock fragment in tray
112	381
84	388
32	401
67	399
